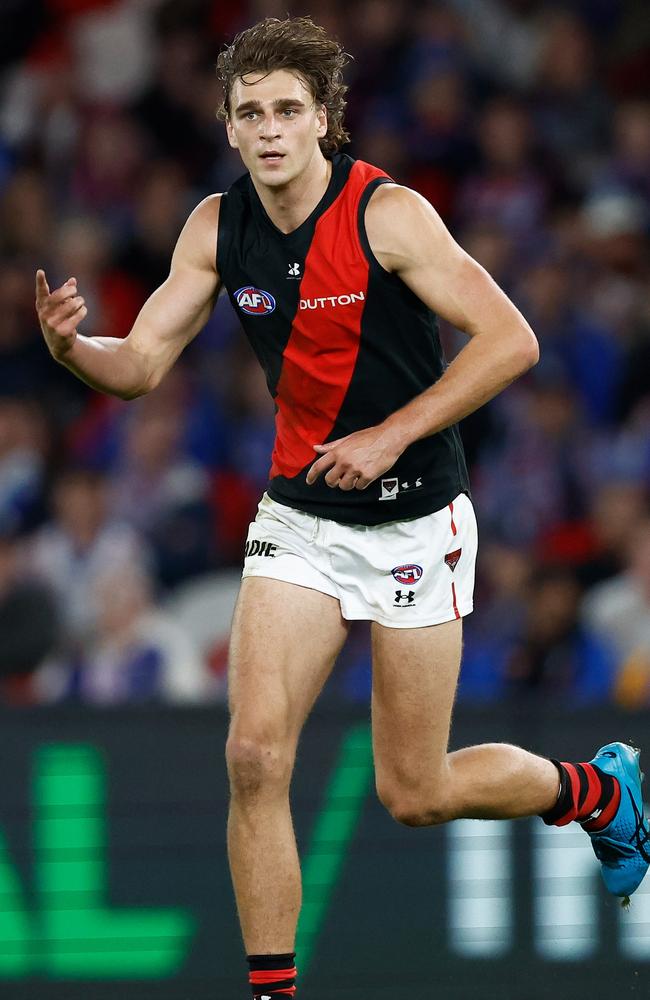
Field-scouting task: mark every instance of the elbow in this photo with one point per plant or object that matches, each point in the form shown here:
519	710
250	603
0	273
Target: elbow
148	382
527	352
128	394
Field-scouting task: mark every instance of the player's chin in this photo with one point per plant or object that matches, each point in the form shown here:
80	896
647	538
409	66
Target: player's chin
274	175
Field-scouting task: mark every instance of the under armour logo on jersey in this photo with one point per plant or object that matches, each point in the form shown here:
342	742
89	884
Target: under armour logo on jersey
294	271
402	599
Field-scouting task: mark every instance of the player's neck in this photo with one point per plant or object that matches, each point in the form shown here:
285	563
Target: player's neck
288	206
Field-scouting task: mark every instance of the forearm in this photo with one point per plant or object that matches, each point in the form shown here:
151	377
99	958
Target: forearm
168	320
108	365
484	367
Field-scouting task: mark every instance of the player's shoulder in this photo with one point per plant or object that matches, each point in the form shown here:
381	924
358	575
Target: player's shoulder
203	221
207	211
394	215
393	201
196	245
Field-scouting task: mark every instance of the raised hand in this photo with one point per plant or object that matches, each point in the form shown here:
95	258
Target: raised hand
59	313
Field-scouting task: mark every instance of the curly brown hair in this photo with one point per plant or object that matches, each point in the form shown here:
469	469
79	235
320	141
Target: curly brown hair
295	43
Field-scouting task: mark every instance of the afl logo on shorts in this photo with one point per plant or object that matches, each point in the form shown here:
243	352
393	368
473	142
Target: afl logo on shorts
408	575
254	301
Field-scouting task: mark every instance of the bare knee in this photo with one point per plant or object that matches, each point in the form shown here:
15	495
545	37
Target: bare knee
415	806
257	766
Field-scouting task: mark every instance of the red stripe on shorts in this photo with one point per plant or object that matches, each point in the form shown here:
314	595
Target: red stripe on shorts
454	530
453	597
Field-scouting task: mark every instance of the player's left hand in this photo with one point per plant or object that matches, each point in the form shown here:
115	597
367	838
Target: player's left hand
355	461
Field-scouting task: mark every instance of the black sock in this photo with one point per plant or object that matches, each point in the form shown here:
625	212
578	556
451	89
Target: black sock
272	976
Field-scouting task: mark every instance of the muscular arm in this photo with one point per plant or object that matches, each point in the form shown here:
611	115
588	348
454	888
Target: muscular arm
501	347
409	239
168	321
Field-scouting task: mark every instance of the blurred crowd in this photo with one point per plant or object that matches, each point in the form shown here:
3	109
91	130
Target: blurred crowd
527	125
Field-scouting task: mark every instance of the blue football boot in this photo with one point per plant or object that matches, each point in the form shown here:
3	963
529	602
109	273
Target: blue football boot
623	846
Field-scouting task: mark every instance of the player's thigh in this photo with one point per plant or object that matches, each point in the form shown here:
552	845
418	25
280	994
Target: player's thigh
415	674
285	640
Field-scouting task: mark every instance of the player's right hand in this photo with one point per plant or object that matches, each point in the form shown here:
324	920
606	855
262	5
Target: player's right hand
59	312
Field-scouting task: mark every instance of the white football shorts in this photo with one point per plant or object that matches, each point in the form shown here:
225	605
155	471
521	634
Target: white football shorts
403	574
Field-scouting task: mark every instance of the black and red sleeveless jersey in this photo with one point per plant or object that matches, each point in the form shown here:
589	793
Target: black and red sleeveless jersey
343	343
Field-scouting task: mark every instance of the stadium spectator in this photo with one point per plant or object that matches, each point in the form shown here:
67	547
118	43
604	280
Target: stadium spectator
26	214
110	157
619	610
78	545
629	165
596	546
544	652
506	38
29	625
554	653
23	455
159	213
135	651
161	491
528	476
571	337
509	190
572	110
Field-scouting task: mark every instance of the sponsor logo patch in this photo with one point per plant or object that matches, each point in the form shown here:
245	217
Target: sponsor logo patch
259	548
408	574
332	300
452	558
404	600
254	301
389	489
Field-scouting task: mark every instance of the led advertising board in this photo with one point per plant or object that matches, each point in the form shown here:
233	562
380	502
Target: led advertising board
114	878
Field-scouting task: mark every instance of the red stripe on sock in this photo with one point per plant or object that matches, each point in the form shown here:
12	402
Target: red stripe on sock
593	794
575	792
261	978
608	813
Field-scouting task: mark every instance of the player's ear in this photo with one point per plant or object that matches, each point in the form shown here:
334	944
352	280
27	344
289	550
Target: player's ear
321	118
230	132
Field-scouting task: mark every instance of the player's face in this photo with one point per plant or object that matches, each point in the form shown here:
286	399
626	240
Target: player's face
275	125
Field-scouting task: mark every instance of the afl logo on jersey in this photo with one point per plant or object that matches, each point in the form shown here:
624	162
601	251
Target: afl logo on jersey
254	301
408	575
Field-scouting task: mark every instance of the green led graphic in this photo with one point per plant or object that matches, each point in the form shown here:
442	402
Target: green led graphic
73	933
333	832
15	922
67	930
